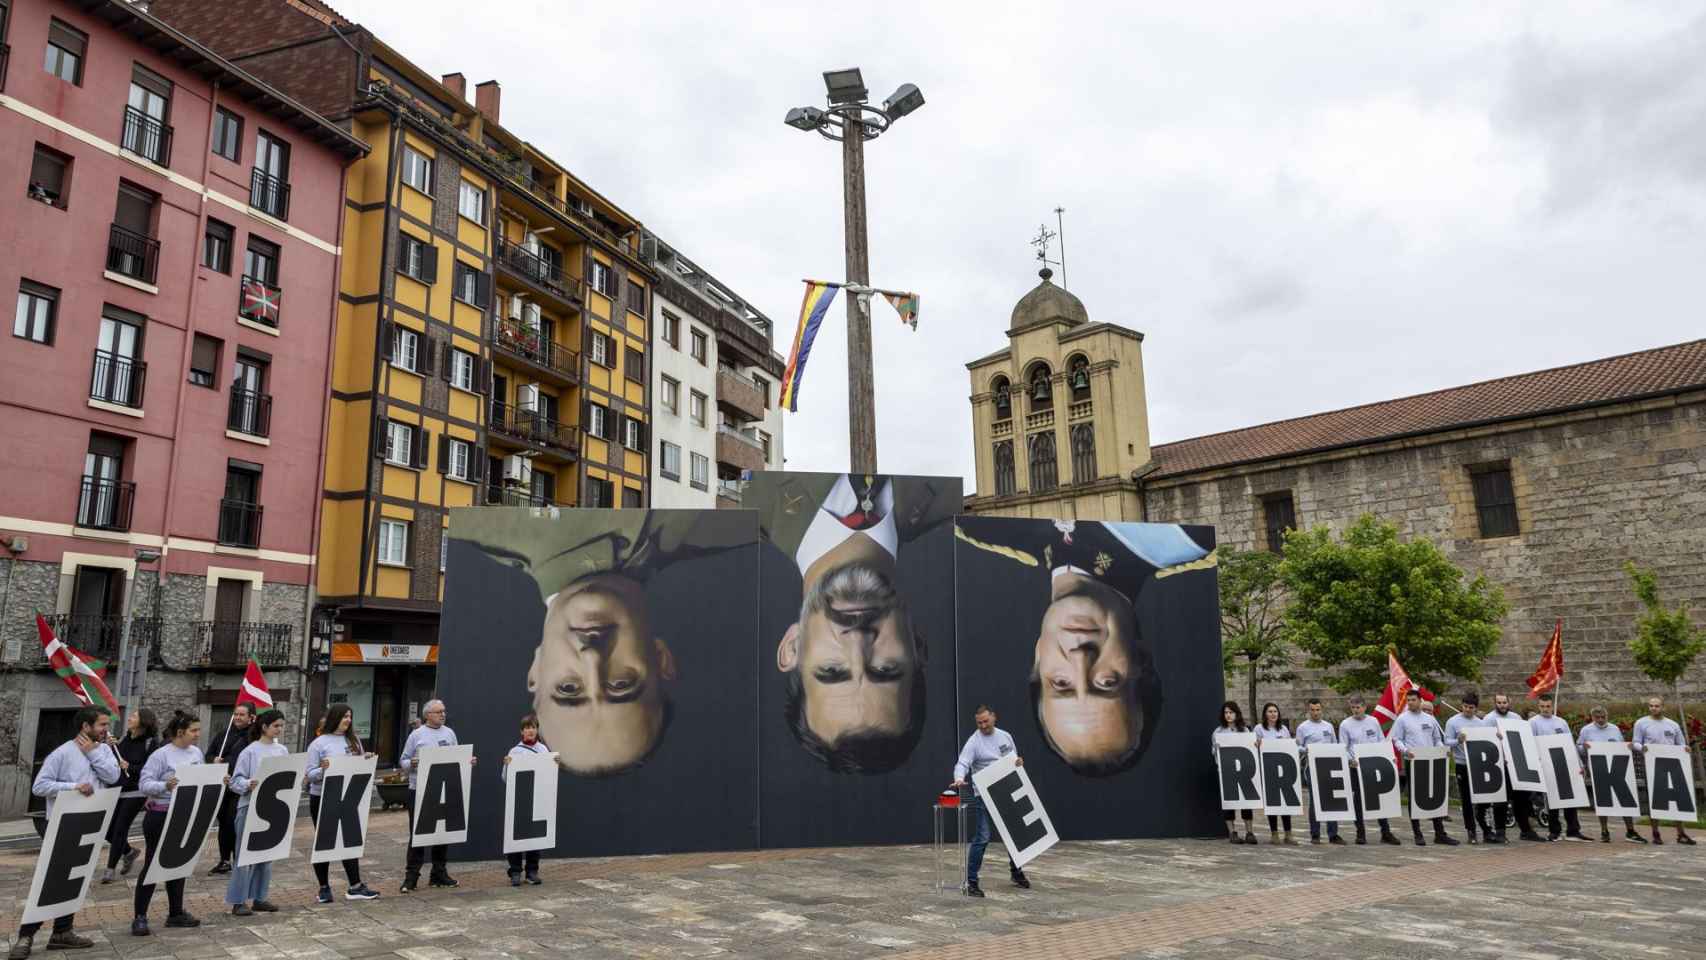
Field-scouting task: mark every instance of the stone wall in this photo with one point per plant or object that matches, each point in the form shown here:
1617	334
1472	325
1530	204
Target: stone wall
1593	490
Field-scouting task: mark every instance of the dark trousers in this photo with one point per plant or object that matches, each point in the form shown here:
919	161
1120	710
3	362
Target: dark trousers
1274	821
1315	825
1470	819
1570	820
529	860
153	824
980	840
227	826
322	871
1416	825
1248	817
417	855
1356	805
60	925
1524	802
118	835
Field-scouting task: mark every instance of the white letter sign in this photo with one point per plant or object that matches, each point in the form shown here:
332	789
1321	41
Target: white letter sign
70	851
1330	783
1018	812
1240	771
1377	775
1670	783
1430	788
1565	788
442	781
1486	768
273	795
530	802
194	807
1282	778
1612	769
1522	756
346	794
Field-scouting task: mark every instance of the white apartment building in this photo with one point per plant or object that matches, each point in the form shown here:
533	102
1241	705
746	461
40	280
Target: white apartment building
716	385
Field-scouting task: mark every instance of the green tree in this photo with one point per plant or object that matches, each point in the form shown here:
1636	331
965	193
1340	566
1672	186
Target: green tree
1353	598
1666	642
1252	629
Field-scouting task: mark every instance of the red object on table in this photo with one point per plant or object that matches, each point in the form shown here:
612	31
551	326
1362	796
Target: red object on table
949	798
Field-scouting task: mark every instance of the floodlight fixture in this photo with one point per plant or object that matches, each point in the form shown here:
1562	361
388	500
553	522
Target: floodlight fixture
845	86
804	118
906	98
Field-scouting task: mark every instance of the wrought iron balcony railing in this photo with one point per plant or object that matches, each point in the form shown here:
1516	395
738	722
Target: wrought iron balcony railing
147	137
269	194
233	643
118	379
250	413
99	634
134	255
528	344
239	523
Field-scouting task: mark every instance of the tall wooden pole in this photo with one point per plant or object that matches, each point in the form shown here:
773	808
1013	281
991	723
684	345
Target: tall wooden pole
861	394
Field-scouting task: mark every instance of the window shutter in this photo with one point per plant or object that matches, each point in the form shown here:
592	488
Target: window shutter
447	358
476	465
423	439
387	339
429	263
484	380
483	290
429	354
380	431
443	454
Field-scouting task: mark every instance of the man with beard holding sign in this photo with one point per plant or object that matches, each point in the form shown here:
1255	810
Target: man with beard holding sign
1411	730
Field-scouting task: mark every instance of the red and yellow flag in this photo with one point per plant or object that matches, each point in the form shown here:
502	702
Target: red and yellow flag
1551	670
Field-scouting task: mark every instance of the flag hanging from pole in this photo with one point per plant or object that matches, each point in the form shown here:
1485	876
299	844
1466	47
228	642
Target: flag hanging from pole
1551	670
82	680
905	304
819	295
254	690
1396	696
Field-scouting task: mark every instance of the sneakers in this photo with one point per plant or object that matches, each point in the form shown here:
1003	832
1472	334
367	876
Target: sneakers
533	878
107	875
1634	837
265	906
1336	840
442	880
129	861
1658	839
514	879
21	948
1249	837
1391	840
325	895
409	884
68	940
1362	839
973	890
1020	881
1473	840
182	920
139	927
1575	835
1315	841
242	910
361	892
1532	837
1445	840
223	866
1684	839
1605	836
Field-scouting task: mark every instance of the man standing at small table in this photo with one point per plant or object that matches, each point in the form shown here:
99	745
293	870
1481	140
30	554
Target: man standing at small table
987	745
432	733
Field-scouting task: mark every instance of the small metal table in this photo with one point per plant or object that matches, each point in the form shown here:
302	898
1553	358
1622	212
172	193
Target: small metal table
951	853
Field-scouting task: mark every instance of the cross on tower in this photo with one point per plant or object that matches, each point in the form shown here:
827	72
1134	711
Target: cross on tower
1041	241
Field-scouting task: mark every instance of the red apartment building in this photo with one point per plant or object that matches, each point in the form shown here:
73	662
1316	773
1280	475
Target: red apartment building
171	231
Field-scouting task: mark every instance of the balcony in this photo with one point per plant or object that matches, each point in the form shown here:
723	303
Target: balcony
739	450
98	635
105	504
530	428
239	524
500	495
134	255
521	342
231	644
728	494
1082	410
737	392
250	413
118	379
147	137
537	271
259	301
269	194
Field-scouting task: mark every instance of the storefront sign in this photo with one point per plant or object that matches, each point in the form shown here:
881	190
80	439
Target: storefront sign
384	653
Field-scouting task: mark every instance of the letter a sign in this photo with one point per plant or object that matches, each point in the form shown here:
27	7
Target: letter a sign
1018	812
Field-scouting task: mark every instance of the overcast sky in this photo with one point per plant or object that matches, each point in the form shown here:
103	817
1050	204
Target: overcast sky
1302	206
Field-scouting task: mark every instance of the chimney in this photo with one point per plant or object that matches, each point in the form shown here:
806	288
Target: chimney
457	83
486	99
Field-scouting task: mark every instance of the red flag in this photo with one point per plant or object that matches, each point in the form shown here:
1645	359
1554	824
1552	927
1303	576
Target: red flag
254	689
78	677
1396	696
1551	669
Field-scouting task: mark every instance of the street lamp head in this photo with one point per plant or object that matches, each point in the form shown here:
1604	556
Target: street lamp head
804	118
906	98
845	86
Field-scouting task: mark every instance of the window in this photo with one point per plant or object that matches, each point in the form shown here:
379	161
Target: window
1044	475
1003	398
634	365
416	258
251	408
1078	377
405	349
1495	500
132	250
598	493
394	542
633	434
1042	392
399	443
601	278
1004	468
105	500
701	472
700	346
764	441
600	349
119	372
260	261
216	246
37	307
471	202
146	133
636	298
240	511
269	184
671	390
1083	438
472	286
1279	514
696	408
417	170
598	421
66	47
48	175
456	458
631	497
227	134
462	370
204	361
672	329
763	386
669	460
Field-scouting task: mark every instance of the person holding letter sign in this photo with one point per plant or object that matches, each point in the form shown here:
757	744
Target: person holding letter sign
1546	723
1522	800
247	891
432	733
158	782
1601	732
226	748
1273	727
1656	728
1357	728
336	737
141	738
1232	721
1311	731
1413	729
985	746
1469	716
529	744
81	764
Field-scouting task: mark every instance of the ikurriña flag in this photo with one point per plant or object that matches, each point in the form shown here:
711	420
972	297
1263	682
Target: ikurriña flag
80	678
905	304
254	690
1551	669
819	295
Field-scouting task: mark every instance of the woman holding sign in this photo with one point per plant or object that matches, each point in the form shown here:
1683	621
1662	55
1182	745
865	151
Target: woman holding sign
530	743
1274	727
159	779
1232	721
141	738
335	737
247	891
